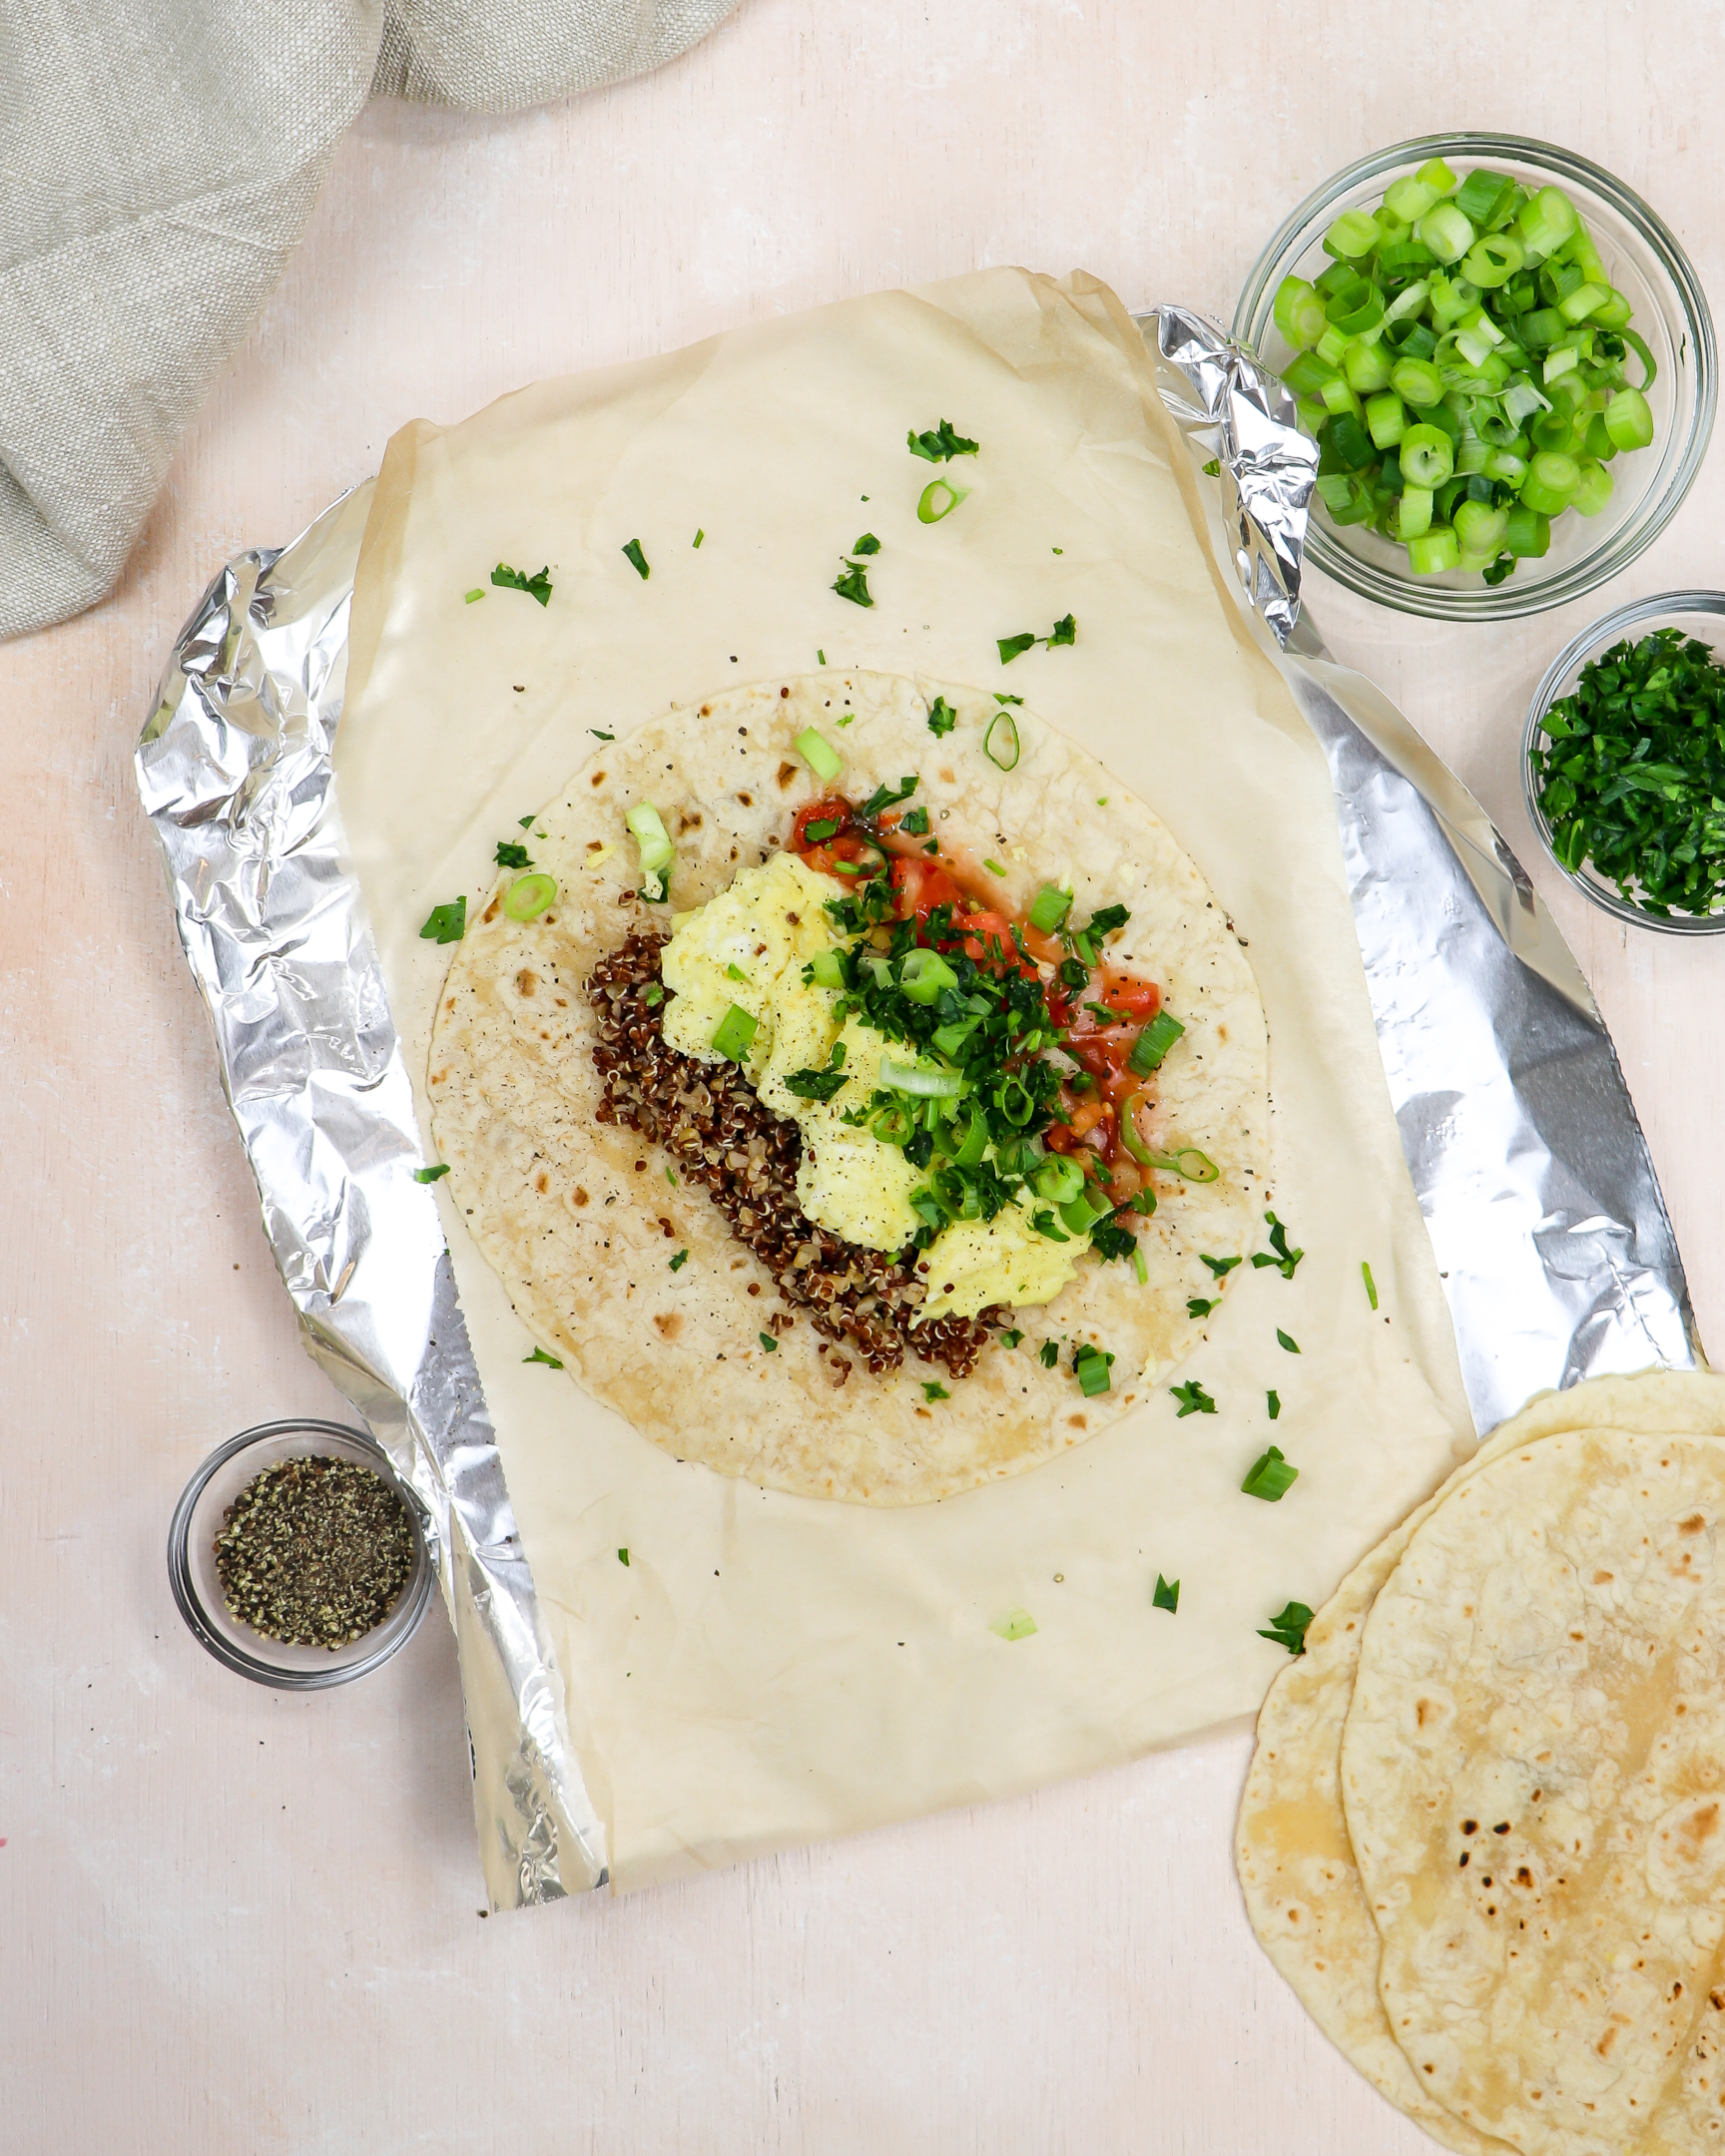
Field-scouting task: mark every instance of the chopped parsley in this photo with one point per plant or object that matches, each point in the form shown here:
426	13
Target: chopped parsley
933	1391
1196	1306
886	795
1274	1401
1632	773
598	734
1279	1255
1271	1478
853	584
1288	1340
822	828
941	717
536	587
868	544
1193	1400
1370	1283
447	923
430	1174
1000	697
1109	1240
1167	1596
816	1085
1049	1354
1012	1338
1288	1628
539	1356
768	1343
1064	631
511	853
634	554
680	1261
914	822
652	995
1221	1267
939	444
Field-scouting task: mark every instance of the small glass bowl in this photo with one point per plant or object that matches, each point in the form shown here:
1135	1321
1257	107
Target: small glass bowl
198	1591
1698	614
1652	271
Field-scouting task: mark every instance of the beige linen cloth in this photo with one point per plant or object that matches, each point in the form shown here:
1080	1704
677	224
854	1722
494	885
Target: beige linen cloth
158	160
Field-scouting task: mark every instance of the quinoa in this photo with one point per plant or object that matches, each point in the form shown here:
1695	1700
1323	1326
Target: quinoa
708	1116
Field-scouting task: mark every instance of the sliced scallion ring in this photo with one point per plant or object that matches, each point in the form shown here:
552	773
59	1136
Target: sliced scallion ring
529	896
654	842
939	499
1001	743
734	1034
923	973
918	1079
819	754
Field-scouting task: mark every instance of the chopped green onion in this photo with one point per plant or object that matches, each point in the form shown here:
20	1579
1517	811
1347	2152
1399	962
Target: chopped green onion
1274	1401
1057	1177
1166	1596
1353	232
1153	1043
734	1034
819	754
447	923
638	559
1049	908
916	1079
1001	743
1141	1270
1445	229
938	498
826	969
1628	420
623	1557
1271	1478
477	592
1426	455
1299	312
1091	1368
529	896
1546	220
1595	490
1553	480
653	842
1433	551
1287	1340
994	868
1015	1624
1370	1283
430	1174
1288	1628
699	536
922	974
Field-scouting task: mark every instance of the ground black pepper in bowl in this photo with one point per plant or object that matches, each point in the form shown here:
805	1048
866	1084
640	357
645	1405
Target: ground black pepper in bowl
313	1551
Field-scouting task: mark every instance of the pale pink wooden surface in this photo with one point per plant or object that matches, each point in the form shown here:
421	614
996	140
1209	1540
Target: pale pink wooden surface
236	1922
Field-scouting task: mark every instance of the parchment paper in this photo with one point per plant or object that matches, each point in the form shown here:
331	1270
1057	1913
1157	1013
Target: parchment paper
768	1670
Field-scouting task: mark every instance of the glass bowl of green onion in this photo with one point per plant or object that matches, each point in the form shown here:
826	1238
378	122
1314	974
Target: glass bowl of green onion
1623	767
1507	360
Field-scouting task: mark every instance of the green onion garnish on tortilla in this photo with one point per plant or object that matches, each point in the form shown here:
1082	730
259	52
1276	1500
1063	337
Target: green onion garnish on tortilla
1271	1478
1001	743
938	498
430	1174
699	536
827	968
1090	1365
822	758
1154	1044
634	555
446	924
1167	1596
1370	1283
1015	1624
1193	1400
1274	1401
654	842
939	444
918	1080
1288	1629
476	593
536	587
1049	908
734	1034
529	896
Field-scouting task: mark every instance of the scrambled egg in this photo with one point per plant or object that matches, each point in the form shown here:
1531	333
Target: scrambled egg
749	946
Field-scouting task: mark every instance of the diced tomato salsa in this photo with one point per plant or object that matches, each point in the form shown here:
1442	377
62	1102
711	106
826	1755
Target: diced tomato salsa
1101	1020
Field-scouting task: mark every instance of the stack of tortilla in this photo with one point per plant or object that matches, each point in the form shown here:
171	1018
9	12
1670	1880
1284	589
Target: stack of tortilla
1483	1831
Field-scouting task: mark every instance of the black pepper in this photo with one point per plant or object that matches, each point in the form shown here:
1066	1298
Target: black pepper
313	1551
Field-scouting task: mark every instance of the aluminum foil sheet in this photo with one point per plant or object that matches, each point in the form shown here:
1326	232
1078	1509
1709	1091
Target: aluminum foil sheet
1531	1170
1552	1237
234	766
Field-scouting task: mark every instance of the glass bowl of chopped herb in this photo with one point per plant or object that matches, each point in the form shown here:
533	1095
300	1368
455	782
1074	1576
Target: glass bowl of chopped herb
1623	763
298	1557
1507	360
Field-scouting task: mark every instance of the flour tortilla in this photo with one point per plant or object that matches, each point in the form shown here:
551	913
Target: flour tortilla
1302	1887
578	1216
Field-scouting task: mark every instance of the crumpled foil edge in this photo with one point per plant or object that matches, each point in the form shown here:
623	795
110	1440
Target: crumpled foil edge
233	769
1553	1244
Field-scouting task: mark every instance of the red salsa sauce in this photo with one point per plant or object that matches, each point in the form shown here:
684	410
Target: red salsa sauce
1101	1020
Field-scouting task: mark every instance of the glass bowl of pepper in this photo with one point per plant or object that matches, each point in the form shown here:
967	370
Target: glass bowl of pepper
1555	518
298	1557
1623	768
